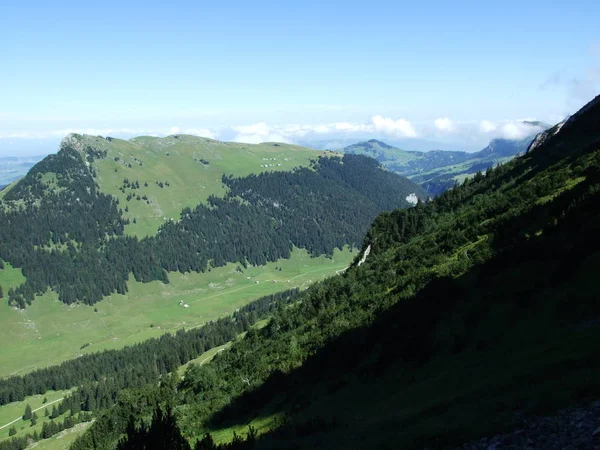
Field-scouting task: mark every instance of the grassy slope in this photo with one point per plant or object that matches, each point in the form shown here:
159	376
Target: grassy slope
518	334
49	332
11	411
409	163
63	440
177	160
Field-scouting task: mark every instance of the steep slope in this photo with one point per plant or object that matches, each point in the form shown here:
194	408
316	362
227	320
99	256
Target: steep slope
439	170
66	234
467	309
173	172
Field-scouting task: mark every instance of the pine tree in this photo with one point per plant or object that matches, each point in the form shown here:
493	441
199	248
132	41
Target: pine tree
27	414
1	292
34	418
12	431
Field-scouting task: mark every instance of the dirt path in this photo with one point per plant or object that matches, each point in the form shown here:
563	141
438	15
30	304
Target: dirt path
35	410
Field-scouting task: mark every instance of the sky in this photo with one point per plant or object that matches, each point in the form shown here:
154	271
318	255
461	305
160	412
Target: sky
427	74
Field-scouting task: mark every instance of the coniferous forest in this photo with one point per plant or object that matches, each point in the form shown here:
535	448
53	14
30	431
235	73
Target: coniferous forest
71	238
476	304
417	336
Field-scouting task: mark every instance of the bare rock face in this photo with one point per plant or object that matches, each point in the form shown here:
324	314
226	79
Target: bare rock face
570	429
542	137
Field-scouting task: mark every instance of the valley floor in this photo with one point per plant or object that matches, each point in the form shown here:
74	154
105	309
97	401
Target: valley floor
49	332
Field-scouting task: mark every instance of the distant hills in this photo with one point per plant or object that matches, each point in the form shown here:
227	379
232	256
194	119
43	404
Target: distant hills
14	167
460	316
199	204
438	170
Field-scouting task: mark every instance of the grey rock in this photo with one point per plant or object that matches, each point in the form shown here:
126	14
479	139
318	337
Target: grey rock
569	429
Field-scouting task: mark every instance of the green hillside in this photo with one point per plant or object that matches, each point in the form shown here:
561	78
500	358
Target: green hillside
49	331
188	168
182	171
70	236
459	314
439	170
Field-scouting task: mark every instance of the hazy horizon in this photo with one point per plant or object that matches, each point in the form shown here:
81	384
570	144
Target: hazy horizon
294	73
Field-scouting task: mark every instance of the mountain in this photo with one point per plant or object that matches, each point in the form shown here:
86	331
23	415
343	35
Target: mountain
144	227
438	170
459	315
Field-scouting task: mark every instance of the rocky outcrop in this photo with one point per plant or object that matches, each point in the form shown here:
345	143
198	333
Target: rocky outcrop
570	429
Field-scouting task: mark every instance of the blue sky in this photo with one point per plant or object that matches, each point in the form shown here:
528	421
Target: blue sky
445	74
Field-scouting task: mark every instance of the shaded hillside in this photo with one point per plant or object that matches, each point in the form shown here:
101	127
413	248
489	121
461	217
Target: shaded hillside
439	170
66	233
469	308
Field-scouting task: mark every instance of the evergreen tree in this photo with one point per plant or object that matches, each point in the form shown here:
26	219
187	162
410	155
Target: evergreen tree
12	431
27	414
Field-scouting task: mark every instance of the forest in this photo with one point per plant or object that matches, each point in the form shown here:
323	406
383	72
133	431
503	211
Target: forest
407	350
99	378
416	336
68	236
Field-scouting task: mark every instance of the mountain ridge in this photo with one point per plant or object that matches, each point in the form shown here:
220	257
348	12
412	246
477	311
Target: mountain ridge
87	194
410	349
438	170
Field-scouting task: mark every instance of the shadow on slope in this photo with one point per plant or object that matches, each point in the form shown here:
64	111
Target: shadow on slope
519	333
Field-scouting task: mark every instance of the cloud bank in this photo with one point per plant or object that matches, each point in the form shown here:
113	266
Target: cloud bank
442	131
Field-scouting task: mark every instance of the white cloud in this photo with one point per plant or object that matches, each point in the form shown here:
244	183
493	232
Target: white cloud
517	130
90	131
258	138
444	124
260	129
202	132
124	132
487	126
351	127
262	132
400	127
321	129
441	132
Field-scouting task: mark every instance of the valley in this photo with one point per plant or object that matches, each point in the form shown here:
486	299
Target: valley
410	349
49	332
300	225
438	170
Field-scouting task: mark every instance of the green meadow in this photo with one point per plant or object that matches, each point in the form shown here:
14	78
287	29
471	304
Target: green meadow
192	167
49	332
15	410
64	439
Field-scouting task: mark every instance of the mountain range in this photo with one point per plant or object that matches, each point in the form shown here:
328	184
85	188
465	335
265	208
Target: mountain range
439	170
449	319
185	218
14	167
458	316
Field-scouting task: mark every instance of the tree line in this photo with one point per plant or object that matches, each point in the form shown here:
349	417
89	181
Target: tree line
68	236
